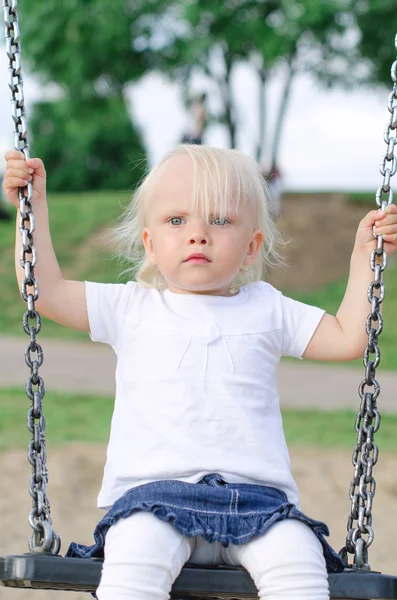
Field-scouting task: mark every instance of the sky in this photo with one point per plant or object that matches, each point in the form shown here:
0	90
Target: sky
332	139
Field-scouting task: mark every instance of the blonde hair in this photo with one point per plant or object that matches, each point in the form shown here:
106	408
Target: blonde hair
219	175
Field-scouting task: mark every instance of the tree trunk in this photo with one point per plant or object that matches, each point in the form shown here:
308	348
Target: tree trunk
282	111
262	116
226	93
230	123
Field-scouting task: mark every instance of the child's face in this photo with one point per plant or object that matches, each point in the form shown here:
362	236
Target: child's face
175	233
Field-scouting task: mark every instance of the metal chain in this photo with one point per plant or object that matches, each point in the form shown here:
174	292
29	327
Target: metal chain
365	455
43	538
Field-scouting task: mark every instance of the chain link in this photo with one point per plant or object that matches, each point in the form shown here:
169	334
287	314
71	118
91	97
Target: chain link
43	538
365	454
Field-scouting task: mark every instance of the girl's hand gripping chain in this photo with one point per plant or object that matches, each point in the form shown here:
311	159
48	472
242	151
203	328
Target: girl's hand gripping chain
20	172
378	222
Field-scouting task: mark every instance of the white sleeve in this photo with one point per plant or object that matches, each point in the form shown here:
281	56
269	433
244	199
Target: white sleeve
106	306
299	322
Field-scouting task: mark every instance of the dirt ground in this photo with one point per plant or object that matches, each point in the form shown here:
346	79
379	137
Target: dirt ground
75	474
318	227
320	231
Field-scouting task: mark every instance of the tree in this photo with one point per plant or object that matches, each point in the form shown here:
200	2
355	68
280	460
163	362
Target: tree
264	34
87	144
317	41
106	48
86	48
376	22
217	37
81	43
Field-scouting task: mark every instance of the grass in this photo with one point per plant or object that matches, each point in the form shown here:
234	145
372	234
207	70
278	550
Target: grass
79	418
367	199
362	199
70	418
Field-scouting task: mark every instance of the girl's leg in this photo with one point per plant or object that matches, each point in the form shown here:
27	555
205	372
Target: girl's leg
143	557
286	562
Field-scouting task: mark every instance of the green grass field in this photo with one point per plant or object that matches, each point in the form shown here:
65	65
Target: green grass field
72	418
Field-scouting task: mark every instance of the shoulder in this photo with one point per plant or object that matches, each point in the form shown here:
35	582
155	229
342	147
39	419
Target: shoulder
262	289
260	307
131	288
281	301
118	297
278	306
109	304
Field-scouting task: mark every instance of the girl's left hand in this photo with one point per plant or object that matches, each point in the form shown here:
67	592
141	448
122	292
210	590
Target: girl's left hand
378	222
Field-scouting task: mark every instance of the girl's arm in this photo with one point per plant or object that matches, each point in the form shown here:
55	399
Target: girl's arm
60	300
344	337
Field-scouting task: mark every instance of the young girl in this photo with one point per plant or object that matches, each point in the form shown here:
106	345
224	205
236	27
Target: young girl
197	467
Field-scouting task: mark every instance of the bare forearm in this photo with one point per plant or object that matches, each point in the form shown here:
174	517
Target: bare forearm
343	337
354	309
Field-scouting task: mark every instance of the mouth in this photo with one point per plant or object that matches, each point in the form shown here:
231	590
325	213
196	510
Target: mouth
197	258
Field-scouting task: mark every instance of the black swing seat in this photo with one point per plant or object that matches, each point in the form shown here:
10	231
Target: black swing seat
48	572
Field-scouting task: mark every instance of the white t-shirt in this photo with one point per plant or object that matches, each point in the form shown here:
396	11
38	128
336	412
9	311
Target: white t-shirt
196	383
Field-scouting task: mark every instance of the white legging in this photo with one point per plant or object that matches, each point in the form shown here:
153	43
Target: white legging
144	556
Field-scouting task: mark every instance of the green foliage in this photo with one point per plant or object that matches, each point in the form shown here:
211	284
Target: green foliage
94	45
264	34
266	31
79	41
377	24
82	418
241	28
85	47
87	144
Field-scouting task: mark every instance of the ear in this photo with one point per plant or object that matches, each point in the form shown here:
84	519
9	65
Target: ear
148	245
253	248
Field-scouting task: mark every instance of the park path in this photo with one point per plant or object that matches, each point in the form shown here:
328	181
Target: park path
89	368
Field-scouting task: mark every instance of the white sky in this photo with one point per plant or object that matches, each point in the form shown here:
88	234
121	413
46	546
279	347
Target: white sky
332	139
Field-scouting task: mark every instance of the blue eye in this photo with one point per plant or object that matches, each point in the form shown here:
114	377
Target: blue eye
220	222
176	221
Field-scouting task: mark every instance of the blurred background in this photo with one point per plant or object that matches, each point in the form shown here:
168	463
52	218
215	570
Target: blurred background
302	86
299	83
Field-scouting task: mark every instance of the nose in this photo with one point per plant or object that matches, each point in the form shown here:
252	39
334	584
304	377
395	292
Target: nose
198	234
198	240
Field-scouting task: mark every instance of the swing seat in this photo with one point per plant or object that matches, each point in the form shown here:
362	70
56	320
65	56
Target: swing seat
48	572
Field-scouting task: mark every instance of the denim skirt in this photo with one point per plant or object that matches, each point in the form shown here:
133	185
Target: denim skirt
229	513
